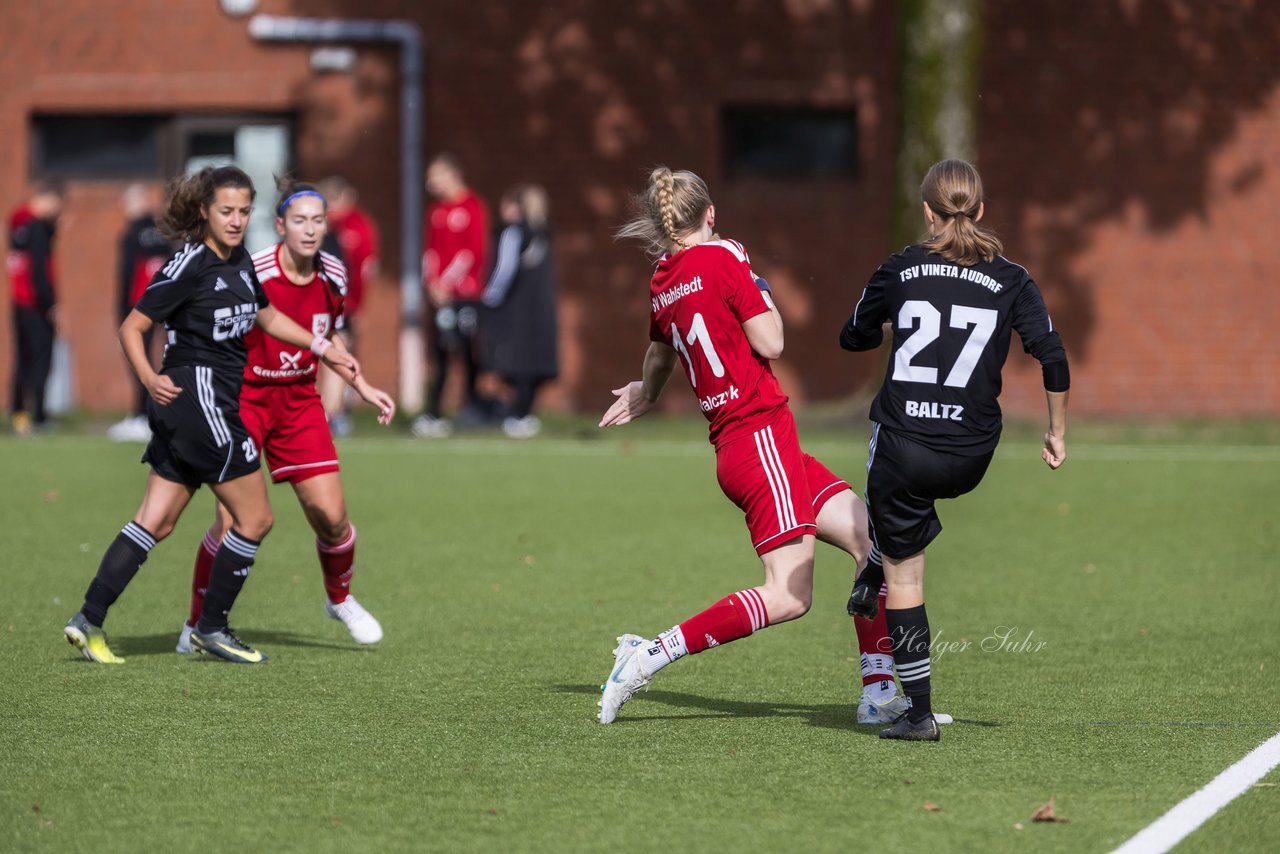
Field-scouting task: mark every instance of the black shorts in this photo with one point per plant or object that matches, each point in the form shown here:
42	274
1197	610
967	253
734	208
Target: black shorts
199	438
904	479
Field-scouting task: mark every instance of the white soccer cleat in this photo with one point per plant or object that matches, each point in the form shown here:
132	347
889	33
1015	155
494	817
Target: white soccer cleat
428	427
184	640
626	679
884	712
131	429
363	626
888	711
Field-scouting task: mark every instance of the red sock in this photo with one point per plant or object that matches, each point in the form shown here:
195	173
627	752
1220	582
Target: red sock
731	618
200	577
873	640
337	564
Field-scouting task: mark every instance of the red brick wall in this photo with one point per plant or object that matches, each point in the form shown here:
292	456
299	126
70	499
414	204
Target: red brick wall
1127	149
1129	152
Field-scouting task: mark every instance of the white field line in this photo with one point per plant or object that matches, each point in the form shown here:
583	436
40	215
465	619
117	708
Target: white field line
1178	823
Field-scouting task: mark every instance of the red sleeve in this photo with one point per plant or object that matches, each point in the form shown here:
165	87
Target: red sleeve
741	294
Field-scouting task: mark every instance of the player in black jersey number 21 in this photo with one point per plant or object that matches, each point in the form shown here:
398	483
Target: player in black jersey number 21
207	297
952	300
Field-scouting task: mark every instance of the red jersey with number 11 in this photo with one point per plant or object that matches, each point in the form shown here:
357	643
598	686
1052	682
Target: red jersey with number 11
316	305
700	298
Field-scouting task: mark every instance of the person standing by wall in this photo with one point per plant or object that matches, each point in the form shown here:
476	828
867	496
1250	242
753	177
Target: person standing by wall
35	303
456	257
353	237
520	326
143	250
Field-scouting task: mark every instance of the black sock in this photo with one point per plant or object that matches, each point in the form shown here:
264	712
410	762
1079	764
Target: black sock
873	573
121	562
909	633
231	567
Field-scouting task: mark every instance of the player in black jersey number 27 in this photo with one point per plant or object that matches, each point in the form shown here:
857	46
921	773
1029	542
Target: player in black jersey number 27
207	297
952	300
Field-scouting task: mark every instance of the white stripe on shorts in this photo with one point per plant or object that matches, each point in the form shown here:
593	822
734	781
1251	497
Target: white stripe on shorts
782	475
777	477
773	485
212	414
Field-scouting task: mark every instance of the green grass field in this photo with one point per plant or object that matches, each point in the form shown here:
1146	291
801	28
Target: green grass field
1139	582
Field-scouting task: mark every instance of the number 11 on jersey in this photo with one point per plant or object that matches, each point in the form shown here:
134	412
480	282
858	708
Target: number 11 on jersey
698	334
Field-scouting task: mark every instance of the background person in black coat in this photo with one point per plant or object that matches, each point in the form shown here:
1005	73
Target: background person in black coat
521	329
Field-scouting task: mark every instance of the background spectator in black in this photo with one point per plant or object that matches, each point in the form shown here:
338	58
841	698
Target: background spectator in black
521	329
35	313
143	250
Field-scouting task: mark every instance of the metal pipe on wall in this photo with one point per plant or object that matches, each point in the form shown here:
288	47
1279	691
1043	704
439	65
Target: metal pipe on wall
408	36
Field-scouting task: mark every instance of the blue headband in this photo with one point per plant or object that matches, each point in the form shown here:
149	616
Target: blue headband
285	204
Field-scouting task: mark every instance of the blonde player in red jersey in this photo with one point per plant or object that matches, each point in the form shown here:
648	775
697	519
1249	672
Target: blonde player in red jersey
715	319
283	411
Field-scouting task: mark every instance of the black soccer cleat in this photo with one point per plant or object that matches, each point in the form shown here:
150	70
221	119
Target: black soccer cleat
905	730
864	601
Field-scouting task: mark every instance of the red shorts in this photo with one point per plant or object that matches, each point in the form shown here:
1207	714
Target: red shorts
778	486
288	423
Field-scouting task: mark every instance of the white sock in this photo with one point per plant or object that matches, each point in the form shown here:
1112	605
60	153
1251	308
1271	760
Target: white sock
664	649
876	664
882	691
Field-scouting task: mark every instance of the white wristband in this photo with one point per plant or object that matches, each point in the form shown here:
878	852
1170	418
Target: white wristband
320	345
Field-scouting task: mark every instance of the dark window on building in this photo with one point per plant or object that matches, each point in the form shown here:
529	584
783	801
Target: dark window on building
212	144
97	146
789	142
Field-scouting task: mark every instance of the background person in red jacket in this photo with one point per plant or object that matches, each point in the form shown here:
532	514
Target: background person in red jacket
454	267
35	318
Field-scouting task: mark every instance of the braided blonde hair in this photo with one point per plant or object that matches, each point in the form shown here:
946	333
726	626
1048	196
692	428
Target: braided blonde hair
668	211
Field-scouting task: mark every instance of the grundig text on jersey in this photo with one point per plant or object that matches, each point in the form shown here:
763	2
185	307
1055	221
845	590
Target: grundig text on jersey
954	272
683	289
933	409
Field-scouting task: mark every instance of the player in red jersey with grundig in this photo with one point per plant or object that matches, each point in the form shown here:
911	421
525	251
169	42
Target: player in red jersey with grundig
714	317
283	412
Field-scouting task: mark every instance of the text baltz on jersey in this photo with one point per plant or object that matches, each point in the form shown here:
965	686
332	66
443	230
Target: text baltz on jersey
234	321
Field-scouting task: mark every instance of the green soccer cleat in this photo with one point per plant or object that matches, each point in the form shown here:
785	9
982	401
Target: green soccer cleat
90	640
224	644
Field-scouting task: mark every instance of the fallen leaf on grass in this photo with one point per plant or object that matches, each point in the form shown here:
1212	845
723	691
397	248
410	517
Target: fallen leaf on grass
35	808
492	811
1046	813
930	806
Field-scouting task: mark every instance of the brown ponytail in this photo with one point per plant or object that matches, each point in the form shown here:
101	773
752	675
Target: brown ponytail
668	211
953	191
188	197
